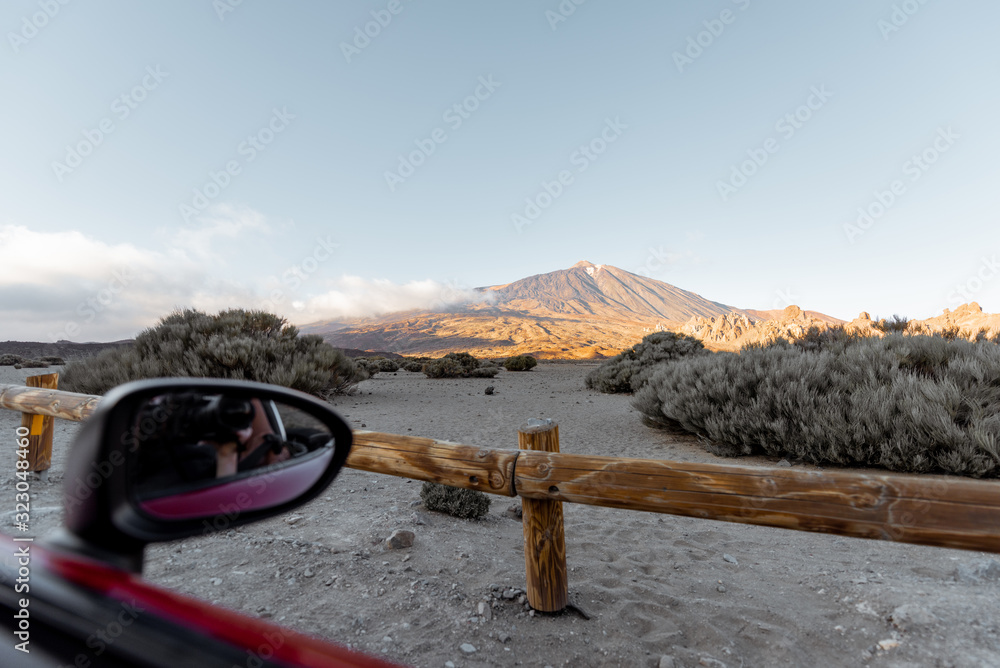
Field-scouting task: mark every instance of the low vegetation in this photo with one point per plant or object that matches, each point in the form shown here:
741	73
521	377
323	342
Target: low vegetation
374	365
10	359
455	501
913	403
236	344
459	365
630	370
520	363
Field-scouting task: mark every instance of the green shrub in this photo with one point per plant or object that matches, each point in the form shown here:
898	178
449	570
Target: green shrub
235	344
31	364
415	367
53	360
628	371
455	501
374	365
904	402
459	365
520	363
9	359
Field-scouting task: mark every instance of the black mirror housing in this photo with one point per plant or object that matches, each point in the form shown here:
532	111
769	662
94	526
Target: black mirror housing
120	491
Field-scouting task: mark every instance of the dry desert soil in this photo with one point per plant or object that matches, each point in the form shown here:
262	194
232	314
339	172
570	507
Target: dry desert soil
659	590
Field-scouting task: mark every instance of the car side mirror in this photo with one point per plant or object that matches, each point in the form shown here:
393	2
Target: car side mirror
170	458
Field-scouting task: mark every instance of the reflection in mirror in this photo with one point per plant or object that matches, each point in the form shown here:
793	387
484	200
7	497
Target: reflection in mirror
198	449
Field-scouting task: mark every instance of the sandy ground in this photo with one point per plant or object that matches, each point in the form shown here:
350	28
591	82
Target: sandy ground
657	588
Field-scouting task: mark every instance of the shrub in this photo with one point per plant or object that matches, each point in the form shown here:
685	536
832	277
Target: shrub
459	365
904	402
415	367
373	365
520	363
630	370
897	324
236	344
9	359
455	501
31	364
53	360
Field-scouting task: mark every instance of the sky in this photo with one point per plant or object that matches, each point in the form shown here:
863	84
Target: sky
327	160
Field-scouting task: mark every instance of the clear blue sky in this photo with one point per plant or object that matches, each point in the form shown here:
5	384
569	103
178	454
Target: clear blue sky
101	233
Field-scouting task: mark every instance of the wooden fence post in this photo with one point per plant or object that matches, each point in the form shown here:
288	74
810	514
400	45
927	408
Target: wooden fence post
40	426
544	537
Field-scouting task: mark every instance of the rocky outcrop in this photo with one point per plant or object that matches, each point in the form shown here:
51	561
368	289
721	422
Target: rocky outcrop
735	330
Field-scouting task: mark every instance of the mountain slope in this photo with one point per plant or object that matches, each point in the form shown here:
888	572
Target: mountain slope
585	311
603	290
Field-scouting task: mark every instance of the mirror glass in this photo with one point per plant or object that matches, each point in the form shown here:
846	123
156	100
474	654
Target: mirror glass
199	454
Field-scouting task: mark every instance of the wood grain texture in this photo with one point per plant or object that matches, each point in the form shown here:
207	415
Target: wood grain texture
930	510
418	458
56	403
40	427
544	534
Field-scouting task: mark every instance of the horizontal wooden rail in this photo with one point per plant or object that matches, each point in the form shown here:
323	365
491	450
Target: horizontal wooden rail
57	403
938	510
419	458
927	509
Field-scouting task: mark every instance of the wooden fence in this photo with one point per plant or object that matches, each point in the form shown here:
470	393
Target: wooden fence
927	509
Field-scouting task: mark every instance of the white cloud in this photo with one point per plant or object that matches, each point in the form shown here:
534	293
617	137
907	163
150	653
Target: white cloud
353	296
69	285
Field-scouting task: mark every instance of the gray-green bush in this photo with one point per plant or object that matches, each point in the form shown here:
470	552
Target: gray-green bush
414	367
10	359
459	365
628	371
520	363
236	344
456	501
906	403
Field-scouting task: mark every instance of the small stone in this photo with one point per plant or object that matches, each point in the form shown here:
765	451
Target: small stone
489	389
730	559
308	573
531	613
910	615
400	539
386	638
294	519
216	581
784	463
666	661
509	594
467	648
504	637
449	664
721	589
888	644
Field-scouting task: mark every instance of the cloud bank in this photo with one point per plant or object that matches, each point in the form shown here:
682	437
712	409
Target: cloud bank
66	285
